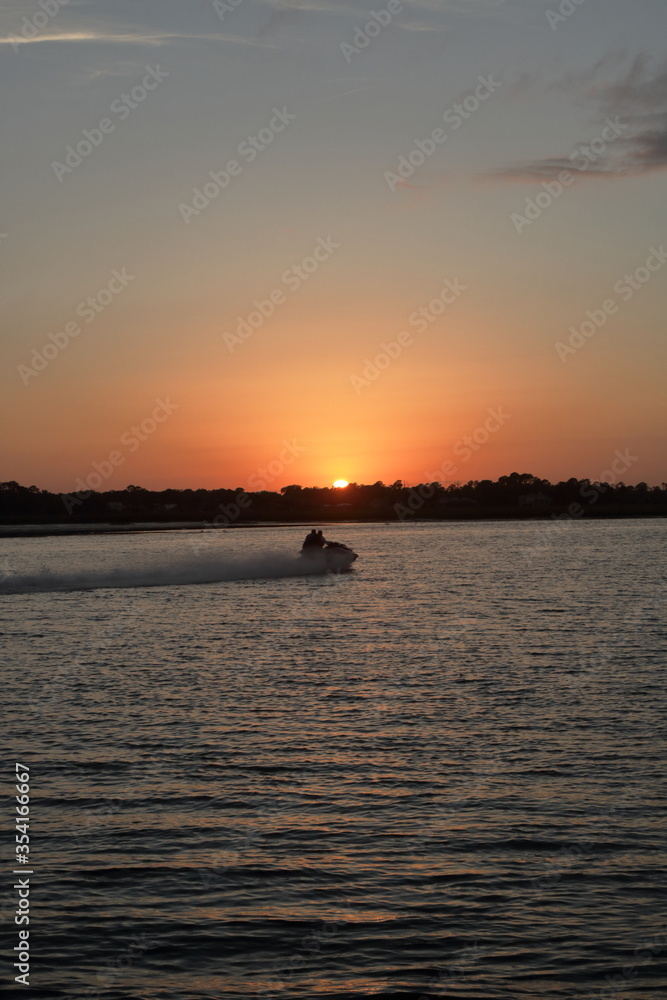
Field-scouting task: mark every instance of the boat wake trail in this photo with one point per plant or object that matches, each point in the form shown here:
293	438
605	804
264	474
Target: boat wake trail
180	571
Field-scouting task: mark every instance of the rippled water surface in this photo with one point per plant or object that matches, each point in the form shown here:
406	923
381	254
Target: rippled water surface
439	774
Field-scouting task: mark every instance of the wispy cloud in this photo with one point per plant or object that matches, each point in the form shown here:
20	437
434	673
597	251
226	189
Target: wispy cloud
84	36
416	15
135	38
437	6
641	97
536	171
283	13
637	98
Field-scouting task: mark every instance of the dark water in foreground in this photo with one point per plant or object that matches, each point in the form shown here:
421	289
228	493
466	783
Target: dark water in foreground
439	775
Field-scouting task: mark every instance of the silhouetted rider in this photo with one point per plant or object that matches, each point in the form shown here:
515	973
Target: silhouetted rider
314	540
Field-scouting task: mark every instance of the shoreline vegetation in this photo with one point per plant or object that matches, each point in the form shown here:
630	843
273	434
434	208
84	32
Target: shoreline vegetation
29	511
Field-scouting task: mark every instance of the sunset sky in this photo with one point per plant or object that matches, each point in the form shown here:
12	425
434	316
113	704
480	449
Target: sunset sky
362	175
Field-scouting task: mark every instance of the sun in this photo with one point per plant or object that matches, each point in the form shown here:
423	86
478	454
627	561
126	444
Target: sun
340	483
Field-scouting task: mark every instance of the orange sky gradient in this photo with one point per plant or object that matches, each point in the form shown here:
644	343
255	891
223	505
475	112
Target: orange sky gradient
311	233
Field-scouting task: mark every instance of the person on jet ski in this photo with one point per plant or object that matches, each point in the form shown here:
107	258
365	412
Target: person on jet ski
314	540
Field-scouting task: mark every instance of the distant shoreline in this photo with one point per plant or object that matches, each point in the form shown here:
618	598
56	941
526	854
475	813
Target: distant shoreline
45	530
104	528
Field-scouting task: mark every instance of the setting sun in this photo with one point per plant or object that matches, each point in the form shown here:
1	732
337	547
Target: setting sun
340	483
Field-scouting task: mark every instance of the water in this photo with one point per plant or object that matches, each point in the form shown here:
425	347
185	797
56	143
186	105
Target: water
439	775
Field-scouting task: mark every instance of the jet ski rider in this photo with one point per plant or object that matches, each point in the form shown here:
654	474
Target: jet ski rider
314	540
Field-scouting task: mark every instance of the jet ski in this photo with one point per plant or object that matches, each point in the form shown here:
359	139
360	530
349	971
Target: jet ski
333	557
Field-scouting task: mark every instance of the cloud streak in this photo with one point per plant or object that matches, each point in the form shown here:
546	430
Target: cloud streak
84	36
637	98
281	14
152	40
284	13
107	35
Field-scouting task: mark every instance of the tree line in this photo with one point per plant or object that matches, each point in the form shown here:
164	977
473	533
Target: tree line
518	495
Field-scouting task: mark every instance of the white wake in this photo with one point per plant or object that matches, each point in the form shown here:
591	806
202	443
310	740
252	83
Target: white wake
178	571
